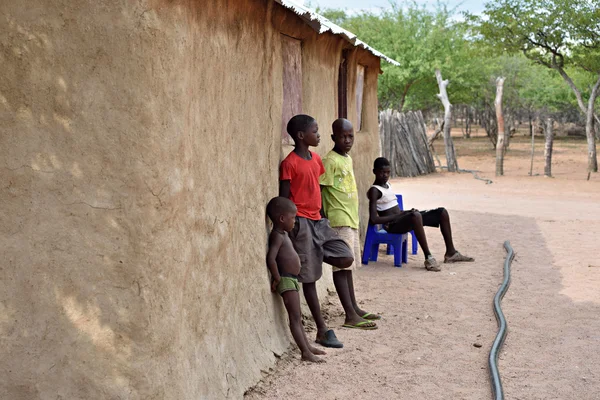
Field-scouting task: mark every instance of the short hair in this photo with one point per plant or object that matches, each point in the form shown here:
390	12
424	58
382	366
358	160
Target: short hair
380	163
279	205
340	124
299	123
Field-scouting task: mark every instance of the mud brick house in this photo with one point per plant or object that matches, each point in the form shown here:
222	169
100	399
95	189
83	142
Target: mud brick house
139	143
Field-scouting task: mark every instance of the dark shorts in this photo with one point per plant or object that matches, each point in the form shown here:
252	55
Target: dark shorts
404	224
316	242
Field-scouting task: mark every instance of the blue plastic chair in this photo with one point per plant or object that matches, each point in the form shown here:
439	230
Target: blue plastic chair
415	244
396	243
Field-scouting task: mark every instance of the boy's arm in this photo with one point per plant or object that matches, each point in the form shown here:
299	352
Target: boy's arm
326	180
374	218
275	241
284	189
286	173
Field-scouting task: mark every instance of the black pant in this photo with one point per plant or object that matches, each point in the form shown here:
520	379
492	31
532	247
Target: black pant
405	223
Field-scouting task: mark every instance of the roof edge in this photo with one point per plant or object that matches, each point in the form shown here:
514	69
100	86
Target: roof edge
324	25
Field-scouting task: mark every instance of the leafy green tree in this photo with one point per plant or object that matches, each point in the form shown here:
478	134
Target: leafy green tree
338	17
421	40
562	35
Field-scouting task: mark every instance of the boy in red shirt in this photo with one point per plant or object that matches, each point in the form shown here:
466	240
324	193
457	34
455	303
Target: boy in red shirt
312	237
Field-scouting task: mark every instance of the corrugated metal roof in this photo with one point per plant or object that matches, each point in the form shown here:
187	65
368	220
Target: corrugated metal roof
322	25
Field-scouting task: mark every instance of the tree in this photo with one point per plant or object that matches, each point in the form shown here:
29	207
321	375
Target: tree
500	145
448	144
421	40
557	34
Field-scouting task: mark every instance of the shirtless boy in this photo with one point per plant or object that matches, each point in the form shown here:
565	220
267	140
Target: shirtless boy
284	264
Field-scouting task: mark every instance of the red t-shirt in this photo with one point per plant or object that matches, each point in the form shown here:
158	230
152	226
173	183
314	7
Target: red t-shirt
304	175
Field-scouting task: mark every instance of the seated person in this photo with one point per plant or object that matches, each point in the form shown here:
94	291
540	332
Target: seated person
383	209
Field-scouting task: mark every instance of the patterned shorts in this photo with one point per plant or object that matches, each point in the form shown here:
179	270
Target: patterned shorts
315	242
352	239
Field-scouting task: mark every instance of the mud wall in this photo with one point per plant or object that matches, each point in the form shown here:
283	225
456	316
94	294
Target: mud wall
321	57
139	144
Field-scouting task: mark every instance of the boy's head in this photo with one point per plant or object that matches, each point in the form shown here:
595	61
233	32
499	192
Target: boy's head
304	128
381	169
282	212
343	135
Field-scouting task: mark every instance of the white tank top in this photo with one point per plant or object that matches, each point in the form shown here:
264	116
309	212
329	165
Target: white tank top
388	197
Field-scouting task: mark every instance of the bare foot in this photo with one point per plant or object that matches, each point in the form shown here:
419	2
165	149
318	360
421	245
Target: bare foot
310	357
316	351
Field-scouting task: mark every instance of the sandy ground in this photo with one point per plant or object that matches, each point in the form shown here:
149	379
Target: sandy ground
425	346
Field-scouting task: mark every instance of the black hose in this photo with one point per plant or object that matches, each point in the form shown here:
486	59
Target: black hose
497	391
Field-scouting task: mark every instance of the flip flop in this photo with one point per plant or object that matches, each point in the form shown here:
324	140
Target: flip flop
366	325
371	316
330	340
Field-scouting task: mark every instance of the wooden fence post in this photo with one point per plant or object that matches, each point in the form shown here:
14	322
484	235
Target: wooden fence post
548	147
532	153
500	144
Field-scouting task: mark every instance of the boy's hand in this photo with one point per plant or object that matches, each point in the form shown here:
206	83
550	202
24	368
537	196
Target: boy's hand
274	284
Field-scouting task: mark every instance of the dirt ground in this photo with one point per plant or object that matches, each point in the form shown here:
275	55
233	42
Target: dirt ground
425	347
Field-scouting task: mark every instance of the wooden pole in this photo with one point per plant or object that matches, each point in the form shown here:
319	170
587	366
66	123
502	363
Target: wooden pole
500	144
468	121
449	145
548	148
532	152
589	128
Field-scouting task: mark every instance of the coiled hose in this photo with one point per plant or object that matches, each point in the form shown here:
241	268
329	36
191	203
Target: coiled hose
497	390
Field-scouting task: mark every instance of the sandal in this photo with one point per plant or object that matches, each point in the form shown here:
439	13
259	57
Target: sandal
366	325
330	340
431	264
457	257
371	316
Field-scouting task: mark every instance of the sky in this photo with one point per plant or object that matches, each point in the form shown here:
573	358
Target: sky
474	6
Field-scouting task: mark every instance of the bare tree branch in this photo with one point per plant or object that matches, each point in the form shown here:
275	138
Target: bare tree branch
435	134
571	84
